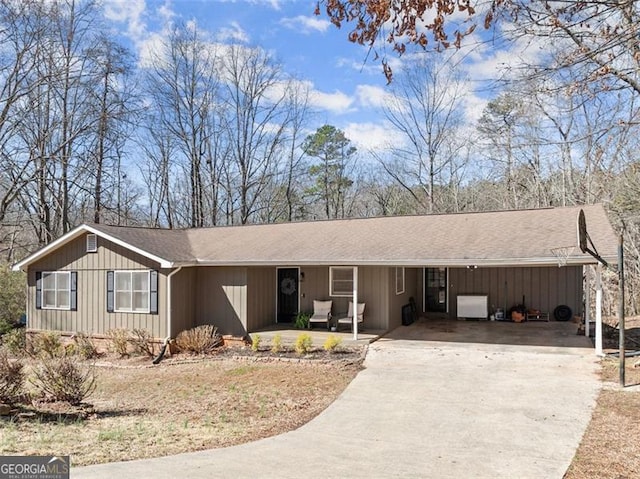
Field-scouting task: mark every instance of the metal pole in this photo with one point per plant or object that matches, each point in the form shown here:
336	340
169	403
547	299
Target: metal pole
621	308
355	303
587	302
599	310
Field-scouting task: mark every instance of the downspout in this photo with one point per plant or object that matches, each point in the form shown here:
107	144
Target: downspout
167	340
169	276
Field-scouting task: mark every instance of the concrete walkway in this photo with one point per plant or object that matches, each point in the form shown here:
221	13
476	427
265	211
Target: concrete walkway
423	409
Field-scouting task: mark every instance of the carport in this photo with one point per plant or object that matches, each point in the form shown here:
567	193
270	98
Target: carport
531	261
552	335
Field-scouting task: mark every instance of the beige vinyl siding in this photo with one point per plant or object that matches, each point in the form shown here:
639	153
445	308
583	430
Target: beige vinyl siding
543	288
221	298
91	316
261	301
183	300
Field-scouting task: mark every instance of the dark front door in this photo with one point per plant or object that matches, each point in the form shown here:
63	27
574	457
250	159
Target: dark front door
435	290
287	294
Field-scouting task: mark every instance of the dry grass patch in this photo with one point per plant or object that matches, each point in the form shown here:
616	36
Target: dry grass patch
141	412
610	447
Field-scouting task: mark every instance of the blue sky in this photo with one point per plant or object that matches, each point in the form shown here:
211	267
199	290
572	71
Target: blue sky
347	91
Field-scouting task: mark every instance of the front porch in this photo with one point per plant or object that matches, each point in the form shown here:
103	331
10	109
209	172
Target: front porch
288	334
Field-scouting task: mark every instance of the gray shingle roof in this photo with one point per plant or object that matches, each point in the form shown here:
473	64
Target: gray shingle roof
490	238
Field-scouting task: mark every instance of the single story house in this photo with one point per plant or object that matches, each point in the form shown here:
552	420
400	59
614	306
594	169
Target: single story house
244	278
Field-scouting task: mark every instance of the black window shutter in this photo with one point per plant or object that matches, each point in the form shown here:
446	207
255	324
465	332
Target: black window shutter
153	290
110	291
74	291
38	289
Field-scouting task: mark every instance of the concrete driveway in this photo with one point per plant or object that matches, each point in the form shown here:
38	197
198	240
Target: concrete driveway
422	408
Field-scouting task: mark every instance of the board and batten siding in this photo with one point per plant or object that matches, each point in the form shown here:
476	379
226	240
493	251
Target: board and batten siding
221	298
397	301
543	288
261	301
375	289
183	300
91	316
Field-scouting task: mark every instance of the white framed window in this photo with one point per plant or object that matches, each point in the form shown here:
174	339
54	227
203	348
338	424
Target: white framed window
56	290
132	291
399	280
340	281
92	243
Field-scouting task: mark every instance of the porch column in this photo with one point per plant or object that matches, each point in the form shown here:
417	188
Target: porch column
599	310
355	303
587	301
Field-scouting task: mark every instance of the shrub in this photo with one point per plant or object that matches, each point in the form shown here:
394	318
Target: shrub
304	343
47	345
12	295
199	340
276	344
84	347
255	342
5	327
11	378
119	341
332	342
142	342
15	342
302	320
60	379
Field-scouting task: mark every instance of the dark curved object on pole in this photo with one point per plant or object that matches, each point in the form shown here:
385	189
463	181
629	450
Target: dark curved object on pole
159	357
562	313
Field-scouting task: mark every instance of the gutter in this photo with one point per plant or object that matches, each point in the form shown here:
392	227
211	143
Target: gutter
169	276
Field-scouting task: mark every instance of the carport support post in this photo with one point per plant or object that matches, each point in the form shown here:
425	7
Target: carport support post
621	326
354	320
599	310
587	302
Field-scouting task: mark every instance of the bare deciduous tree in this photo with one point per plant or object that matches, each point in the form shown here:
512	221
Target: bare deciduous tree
425	106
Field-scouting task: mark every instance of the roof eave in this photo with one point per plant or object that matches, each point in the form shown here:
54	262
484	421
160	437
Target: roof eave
417	262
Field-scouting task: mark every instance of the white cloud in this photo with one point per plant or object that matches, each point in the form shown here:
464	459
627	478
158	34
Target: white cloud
234	33
372	136
305	24
372	96
150	49
336	102
166	12
473	108
492	62
130	12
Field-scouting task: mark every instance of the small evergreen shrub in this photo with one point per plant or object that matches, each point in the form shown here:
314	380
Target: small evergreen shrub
15	342
119	341
331	343
199	340
142	342
5	327
12	295
302	320
84	347
304	343
11	379
255	342
276	344
47	345
61	379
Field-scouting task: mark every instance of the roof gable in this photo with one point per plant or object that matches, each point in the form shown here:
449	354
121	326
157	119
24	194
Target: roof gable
136	246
